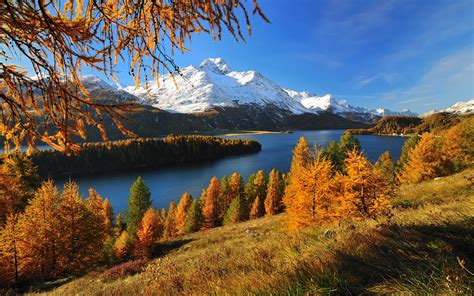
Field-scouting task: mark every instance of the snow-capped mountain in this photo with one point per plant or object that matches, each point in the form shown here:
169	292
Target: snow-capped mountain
214	84
458	108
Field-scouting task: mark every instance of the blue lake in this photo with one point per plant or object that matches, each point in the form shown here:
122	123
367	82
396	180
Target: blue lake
170	183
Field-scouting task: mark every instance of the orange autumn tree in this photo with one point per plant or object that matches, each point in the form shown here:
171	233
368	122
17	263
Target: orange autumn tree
386	167
425	160
59	38
256	208
82	231
210	210
149	230
181	213
276	189
9	255
39	234
365	192
170	222
308	196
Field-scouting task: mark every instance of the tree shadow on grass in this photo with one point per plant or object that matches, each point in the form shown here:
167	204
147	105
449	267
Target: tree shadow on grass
421	259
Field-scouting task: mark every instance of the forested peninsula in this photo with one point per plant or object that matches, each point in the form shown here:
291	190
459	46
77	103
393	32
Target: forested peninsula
143	153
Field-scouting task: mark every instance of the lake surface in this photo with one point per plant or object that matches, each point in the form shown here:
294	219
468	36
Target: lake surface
170	183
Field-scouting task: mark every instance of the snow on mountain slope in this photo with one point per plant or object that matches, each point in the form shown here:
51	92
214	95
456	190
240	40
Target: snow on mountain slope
329	103
458	108
212	84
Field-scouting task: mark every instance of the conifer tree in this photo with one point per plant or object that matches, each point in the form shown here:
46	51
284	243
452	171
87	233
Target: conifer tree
210	211
9	255
256	209
235	212
95	205
249	196
386	167
39	234
366	192
409	144
170	223
108	212
224	199
148	232
454	148
138	202
119	225
336	152
274	199
308	194
193	217
122	245
424	161
260	186
82	231
163	215
181	213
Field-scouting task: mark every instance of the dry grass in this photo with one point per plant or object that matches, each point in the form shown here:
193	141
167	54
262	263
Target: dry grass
419	251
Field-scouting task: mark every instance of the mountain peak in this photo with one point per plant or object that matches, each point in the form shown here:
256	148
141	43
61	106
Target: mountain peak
216	65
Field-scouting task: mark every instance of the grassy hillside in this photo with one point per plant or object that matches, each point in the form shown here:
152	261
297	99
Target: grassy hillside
388	125
426	247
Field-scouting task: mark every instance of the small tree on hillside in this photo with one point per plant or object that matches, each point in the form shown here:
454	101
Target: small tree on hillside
424	161
235	212
276	189
138	202
256	209
193	217
181	213
148	232
210	211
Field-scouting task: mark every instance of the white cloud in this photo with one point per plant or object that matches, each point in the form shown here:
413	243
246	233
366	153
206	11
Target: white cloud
448	80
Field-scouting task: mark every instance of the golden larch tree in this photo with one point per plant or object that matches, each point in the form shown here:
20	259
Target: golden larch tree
149	230
274	199
424	162
366	192
181	213
256	208
170	223
210	211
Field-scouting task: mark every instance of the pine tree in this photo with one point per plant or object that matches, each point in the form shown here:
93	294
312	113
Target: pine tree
386	167
138	202
235	212
224	199
148	232
95	205
256	209
181	213
249	196
210	210
119	226
409	144
260	185
273	201
170	223
424	161
336	152
122	245
108	216
193	217
455	155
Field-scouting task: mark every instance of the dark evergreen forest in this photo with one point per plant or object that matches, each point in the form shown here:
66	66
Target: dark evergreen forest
140	153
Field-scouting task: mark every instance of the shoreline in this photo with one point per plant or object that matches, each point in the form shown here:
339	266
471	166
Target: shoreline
243	133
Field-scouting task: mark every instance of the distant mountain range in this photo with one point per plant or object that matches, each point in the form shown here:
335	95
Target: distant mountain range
212	98
214	84
458	108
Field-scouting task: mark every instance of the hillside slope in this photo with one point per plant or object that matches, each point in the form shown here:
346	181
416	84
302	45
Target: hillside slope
426	248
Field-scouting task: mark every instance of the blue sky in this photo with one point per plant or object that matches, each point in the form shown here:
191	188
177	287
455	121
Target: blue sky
379	53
